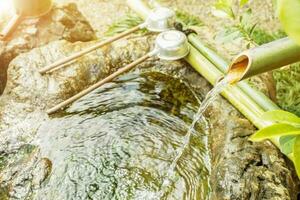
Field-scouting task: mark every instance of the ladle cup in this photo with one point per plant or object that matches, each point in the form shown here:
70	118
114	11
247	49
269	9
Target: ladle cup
157	21
25	9
169	45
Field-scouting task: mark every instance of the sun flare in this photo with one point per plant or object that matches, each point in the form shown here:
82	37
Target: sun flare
6	6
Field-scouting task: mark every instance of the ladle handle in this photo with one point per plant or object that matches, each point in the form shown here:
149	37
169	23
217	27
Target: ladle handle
88	50
100	83
11	26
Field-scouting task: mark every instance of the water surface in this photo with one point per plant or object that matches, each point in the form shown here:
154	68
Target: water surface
120	141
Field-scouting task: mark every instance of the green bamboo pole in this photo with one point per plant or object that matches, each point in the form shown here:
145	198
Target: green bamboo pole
223	66
264	58
233	93
245	104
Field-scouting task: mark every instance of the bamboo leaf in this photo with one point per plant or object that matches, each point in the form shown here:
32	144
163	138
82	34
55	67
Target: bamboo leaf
289	15
297	155
281	117
287	144
275	130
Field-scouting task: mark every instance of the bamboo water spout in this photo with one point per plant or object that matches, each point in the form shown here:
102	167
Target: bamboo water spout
261	99
264	58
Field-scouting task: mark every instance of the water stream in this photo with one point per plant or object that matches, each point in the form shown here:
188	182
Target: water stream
198	117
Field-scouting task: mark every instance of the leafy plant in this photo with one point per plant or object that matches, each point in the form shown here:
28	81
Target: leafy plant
243	27
128	21
286	127
187	20
288	88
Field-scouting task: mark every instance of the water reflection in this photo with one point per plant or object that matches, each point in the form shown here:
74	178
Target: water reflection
118	143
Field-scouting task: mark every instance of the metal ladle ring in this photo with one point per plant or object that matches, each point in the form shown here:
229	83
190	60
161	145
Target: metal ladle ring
159	19
172	45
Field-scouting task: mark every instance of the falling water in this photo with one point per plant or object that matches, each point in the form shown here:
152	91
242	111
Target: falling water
210	97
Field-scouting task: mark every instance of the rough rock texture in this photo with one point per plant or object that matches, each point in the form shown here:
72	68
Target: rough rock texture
242	169
24	175
64	22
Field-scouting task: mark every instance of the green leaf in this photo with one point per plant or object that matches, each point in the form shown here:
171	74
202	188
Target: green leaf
275	130
243	2
287	144
289	15
297	155
281	117
188	19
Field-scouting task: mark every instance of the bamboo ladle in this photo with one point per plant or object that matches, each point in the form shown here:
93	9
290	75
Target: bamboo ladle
25	9
169	45
158	20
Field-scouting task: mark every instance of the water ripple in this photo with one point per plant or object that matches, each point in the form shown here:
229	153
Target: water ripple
119	141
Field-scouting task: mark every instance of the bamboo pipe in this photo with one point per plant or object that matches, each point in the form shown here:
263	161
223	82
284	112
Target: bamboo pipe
232	93
264	58
98	84
249	108
212	74
77	55
257	96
